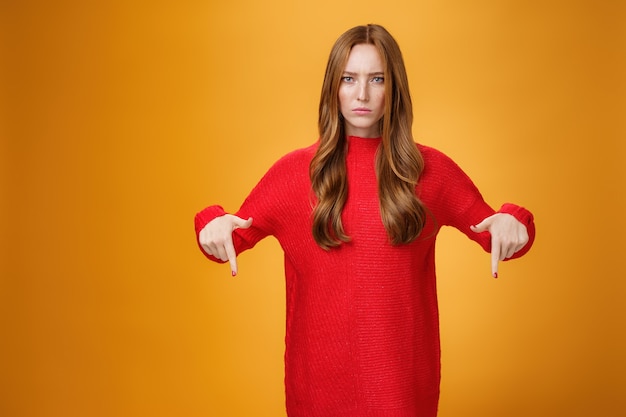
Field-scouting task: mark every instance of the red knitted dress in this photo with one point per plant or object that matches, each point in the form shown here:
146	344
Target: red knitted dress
362	331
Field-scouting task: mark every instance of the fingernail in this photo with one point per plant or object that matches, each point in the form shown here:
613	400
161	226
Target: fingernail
495	275
234	273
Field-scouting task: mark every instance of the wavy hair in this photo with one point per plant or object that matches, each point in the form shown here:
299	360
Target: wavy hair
398	162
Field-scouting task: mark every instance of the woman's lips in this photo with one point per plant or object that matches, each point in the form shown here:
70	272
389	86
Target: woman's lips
361	110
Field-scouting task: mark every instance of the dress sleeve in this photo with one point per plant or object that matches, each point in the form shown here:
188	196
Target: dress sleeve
461	204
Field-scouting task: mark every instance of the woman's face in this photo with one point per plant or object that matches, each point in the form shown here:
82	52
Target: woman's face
362	92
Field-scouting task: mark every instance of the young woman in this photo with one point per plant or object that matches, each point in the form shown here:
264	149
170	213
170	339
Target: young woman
357	214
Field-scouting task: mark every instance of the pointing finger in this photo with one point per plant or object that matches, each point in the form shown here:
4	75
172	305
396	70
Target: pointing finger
232	257
495	257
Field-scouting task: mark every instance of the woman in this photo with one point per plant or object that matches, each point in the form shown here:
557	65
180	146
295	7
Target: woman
357	214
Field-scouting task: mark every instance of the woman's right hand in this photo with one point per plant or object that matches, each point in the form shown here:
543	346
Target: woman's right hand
216	238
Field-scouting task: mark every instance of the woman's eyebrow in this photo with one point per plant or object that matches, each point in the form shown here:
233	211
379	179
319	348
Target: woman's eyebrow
370	74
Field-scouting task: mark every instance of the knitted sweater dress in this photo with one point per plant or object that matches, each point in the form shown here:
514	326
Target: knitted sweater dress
362	325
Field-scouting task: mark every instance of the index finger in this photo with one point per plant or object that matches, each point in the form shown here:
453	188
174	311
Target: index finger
232	256
495	258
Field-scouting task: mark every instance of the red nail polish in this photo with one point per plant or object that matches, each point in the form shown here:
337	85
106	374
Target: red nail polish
234	273
495	275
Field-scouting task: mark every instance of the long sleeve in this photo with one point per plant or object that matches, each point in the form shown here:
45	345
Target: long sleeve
456	201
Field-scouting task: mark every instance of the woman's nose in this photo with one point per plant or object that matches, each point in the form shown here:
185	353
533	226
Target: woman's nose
363	93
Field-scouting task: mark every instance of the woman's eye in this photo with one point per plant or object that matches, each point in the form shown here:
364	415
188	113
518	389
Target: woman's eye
347	79
378	79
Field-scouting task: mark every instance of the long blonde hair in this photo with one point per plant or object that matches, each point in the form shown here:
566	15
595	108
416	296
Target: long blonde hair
398	163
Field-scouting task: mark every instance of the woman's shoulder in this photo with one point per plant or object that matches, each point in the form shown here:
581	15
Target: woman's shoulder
294	162
300	154
439	167
297	157
434	156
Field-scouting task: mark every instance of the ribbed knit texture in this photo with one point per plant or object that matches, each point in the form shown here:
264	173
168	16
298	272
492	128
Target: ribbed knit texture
362	331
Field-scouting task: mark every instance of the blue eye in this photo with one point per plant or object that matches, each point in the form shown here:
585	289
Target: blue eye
378	79
347	79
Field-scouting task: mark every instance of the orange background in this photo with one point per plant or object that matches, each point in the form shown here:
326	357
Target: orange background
121	119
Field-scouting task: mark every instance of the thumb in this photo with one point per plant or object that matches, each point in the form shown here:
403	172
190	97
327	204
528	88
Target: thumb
482	226
239	223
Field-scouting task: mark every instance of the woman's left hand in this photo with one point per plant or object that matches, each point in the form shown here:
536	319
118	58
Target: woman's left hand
508	235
